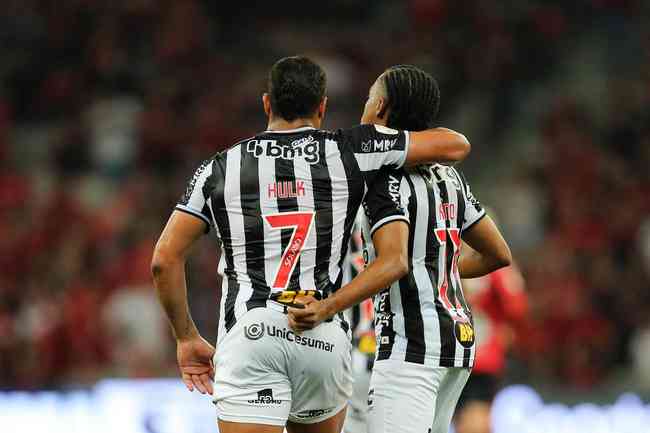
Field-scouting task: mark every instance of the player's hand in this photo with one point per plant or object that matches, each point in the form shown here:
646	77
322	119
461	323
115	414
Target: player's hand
311	315
195	363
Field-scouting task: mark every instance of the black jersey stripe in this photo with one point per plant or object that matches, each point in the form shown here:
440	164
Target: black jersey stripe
217	181
459	223
447	338
231	298
449	250
458	291
387	334
356	185
413	324
432	244
285	172
467	355
445	322
221	217
249	188
322	188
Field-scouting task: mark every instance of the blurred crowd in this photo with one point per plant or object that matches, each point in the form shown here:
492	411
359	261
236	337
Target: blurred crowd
107	107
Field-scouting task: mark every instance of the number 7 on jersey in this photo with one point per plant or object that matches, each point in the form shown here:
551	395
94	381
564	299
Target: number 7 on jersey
301	223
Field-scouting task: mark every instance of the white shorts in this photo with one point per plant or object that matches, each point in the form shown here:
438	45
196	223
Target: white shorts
412	398
266	374
356	416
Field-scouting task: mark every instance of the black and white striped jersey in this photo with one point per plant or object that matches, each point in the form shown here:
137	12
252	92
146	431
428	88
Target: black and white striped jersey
283	204
424	317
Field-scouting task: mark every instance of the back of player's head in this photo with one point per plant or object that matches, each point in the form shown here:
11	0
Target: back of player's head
413	97
296	87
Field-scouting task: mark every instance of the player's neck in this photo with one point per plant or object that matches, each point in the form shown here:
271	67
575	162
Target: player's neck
277	124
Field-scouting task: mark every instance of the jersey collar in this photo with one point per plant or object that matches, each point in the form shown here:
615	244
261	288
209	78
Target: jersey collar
290	131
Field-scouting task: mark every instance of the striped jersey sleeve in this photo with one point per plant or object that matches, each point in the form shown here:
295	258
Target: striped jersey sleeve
194	199
383	203
473	209
376	146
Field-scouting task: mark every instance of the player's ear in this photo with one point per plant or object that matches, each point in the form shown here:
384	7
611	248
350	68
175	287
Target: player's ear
322	107
382	108
266	103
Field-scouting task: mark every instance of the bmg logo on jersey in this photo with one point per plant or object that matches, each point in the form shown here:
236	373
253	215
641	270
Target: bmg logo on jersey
254	331
306	148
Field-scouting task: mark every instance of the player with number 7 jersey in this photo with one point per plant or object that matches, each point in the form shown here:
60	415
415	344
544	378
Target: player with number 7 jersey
282	204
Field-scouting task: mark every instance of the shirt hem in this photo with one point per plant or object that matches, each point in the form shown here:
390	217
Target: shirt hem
427	359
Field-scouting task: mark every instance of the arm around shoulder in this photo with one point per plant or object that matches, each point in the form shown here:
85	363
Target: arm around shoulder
437	145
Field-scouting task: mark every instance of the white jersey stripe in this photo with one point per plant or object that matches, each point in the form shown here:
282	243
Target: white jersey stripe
269	206
420	273
306	203
232	197
340	196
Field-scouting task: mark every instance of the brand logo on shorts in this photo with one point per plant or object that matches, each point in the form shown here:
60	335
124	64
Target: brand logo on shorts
301	340
313	413
265	397
254	331
371	393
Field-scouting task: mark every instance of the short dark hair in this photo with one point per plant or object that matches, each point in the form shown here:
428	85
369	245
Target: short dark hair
297	86
413	98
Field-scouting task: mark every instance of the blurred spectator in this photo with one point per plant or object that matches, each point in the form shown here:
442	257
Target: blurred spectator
106	108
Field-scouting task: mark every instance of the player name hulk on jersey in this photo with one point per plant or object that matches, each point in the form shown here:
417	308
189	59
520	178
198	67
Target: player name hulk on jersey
283	204
424	317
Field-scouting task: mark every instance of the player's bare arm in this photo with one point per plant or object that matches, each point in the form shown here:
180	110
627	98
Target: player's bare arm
489	250
168	269
391	244
437	145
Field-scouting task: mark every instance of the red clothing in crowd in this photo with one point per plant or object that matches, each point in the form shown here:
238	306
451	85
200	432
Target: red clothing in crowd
498	304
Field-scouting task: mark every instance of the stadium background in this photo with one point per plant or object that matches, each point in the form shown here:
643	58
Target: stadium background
106	107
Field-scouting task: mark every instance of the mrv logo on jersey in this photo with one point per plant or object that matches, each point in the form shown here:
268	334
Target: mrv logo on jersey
385	145
255	331
306	148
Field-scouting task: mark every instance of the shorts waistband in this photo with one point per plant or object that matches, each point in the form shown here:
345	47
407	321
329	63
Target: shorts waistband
282	308
273	305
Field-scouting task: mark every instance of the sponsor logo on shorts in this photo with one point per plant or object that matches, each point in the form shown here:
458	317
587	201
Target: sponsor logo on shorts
265	397
254	331
313	413
289	335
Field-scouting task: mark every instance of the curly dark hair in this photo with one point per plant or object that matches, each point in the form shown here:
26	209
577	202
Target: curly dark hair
413	97
297	86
